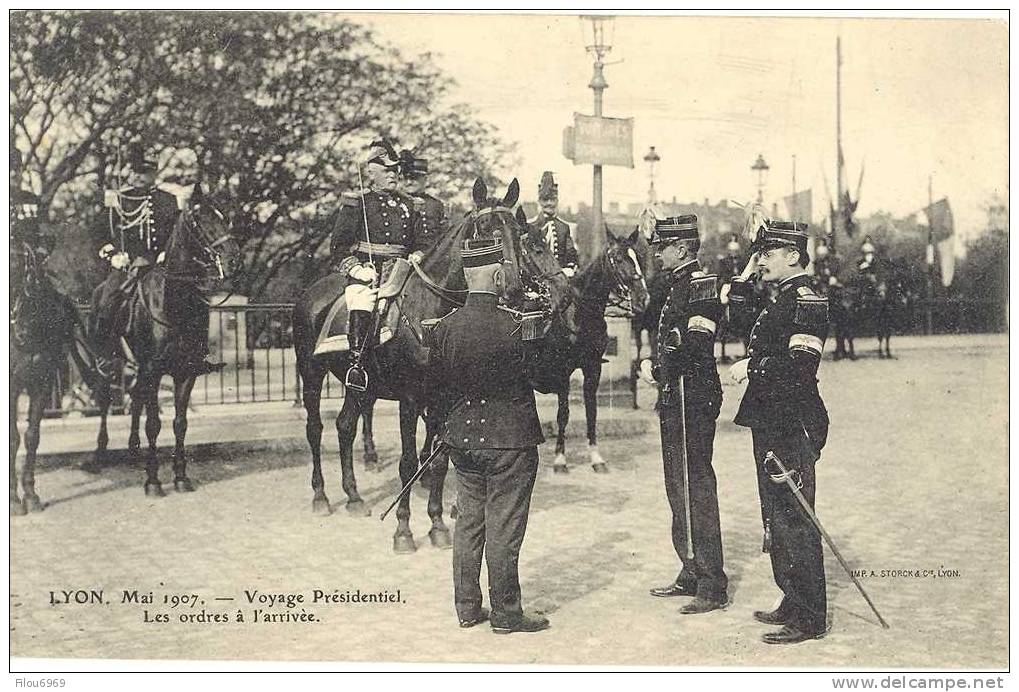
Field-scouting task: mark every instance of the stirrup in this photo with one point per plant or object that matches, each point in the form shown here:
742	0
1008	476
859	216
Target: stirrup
356	379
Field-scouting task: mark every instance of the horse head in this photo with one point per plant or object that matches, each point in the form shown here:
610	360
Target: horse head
492	218
626	272
201	246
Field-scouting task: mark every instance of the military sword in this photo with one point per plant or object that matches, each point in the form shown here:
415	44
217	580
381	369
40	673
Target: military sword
686	470
785	476
439	449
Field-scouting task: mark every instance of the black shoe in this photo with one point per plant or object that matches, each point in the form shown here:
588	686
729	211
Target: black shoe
791	634
771	617
480	617
527	623
703	605
674	589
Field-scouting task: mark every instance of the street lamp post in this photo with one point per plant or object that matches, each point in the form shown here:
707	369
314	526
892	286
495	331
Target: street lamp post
598	42
652	158
761	169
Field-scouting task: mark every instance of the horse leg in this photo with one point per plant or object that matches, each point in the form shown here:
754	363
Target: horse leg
635	365
17	506
346	431
134	443
36	405
182	387
311	395
403	539
102	398
371	456
592	377
147	389
439	534
562	419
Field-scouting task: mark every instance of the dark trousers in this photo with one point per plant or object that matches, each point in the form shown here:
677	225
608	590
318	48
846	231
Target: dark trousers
796	557
704	569
493	500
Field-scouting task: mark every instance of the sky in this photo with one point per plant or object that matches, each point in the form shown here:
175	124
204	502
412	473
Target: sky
921	98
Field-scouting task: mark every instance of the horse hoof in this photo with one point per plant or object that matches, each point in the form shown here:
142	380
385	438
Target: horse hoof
600	467
357	508
33	503
372	467
183	485
403	544
320	507
154	489
18	508
371	458
560	469
440	538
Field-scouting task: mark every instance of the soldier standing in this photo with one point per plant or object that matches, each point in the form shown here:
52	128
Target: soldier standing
786	415
372	229
431	211
554	231
686	337
493	432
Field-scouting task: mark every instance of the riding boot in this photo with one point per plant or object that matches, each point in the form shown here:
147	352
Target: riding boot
357	334
205	366
107	342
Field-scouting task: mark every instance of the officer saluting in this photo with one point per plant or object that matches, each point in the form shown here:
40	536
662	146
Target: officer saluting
554	232
786	415
688	410
493	432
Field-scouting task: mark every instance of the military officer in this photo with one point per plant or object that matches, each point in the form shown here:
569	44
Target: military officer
360	252
826	267
554	231
785	413
493	431
686	337
431	211
25	235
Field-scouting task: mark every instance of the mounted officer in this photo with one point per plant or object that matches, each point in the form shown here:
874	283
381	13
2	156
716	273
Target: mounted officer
374	227
689	400
785	413
431	211
141	218
493	431
26	239
826	267
554	231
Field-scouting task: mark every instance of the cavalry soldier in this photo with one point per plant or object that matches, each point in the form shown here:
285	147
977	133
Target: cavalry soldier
493	432
374	226
826	267
554	231
786	415
431	211
689	400
25	233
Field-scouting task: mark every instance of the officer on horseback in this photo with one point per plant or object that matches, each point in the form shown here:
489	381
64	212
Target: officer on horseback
26	238
554	231
431	211
826	267
373	228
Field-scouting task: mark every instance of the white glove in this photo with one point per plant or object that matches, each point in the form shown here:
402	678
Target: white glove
363	272
416	257
723	295
106	252
738	371
121	260
832	281
645	371
569	272
161	257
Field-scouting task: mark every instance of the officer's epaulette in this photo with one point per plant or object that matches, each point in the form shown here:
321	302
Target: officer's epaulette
704	288
350	199
811	309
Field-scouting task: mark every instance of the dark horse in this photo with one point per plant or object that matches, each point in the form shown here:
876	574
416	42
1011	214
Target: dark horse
45	328
167	330
580	340
398	369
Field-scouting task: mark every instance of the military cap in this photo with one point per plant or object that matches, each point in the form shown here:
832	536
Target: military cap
480	253
138	160
411	166
381	151
784	234
673	228
547	188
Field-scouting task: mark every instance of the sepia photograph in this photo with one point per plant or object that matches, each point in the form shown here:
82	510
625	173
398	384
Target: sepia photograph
559	340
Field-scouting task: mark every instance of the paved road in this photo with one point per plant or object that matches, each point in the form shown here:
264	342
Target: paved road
914	478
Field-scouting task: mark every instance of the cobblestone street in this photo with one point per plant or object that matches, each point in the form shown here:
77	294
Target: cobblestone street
914	478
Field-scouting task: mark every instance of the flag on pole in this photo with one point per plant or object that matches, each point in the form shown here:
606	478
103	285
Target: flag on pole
800	206
942	233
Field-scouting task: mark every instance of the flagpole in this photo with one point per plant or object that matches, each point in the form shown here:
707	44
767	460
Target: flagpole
930	256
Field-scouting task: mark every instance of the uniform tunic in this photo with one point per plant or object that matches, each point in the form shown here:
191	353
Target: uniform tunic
147	238
432	214
493	429
686	348
784	410
556	235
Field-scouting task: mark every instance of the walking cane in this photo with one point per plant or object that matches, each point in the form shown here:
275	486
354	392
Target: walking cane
786	476
425	465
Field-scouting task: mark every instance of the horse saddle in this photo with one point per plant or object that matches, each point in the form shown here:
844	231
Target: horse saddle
332	337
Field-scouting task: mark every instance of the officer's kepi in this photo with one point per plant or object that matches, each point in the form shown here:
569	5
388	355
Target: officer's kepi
778	234
683	227
382	152
477	253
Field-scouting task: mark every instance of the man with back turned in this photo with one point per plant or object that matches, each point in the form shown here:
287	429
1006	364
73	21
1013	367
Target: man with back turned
492	430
